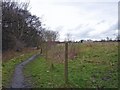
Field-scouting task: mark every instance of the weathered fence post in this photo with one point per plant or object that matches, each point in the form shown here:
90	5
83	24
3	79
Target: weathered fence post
66	62
46	50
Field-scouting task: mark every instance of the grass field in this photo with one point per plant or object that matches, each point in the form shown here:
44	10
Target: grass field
95	66
9	63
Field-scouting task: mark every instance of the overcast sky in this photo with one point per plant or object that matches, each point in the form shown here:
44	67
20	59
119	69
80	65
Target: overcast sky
96	19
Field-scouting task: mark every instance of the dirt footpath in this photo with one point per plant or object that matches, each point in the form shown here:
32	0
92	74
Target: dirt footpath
18	80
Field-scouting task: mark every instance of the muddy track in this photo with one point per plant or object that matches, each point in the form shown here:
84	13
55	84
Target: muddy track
18	80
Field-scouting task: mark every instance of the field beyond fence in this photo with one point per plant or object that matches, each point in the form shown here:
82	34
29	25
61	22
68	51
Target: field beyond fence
90	65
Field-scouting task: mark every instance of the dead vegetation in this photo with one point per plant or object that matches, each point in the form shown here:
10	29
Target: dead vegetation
13	53
56	53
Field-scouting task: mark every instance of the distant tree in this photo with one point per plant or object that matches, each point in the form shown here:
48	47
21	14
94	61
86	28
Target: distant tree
102	40
107	38
68	37
81	41
50	35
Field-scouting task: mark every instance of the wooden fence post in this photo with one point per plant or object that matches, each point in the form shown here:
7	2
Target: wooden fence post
66	62
46	50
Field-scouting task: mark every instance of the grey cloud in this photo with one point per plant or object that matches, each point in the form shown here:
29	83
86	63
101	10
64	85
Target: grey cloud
111	32
101	22
59	28
81	32
114	27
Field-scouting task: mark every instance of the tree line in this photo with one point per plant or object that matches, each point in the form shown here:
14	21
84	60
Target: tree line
22	29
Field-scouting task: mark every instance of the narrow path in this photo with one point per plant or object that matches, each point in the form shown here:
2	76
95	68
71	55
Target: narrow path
18	80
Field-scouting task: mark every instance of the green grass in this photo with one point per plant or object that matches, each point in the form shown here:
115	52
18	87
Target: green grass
95	66
42	73
9	66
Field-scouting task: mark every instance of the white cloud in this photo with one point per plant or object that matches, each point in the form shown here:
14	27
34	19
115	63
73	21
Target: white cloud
80	18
